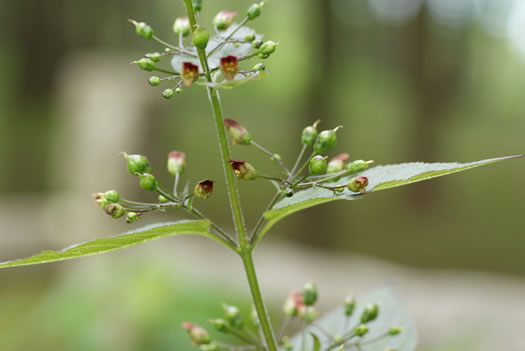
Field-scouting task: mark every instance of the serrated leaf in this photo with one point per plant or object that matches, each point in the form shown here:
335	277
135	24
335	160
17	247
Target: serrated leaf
391	313
379	178
97	246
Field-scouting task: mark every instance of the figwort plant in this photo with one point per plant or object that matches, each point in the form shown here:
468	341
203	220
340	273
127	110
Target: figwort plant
374	322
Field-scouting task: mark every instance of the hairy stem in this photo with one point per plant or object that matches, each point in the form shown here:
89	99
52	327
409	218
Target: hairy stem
244	251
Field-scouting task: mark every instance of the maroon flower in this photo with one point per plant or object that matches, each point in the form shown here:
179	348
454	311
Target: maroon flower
190	73
237	132
203	189
229	67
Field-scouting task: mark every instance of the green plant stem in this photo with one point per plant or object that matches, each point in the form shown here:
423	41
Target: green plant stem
294	176
299	158
244	251
272	156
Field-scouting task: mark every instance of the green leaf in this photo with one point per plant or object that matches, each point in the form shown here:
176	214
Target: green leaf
379	178
117	242
316	342
391	313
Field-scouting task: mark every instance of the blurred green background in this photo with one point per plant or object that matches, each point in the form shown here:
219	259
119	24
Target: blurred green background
410	80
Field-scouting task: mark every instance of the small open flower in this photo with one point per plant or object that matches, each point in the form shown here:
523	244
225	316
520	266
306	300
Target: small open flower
229	67
190	73
243	170
224	19
176	162
358	184
203	189
237	132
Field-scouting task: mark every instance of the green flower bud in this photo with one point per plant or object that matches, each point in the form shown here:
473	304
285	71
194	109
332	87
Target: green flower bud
115	210
229	67
189	74
370	313
176	162
182	26
148	182
198	335
101	200
349	305
221	325
112	196
142	29
224	19
308	314
255	318
137	164
268	47
236	45
131	217
358	184
317	165
259	67
154	81
209	347
155	57
200	37
293	303
359	166
337	163
256	44
146	64
238	133
326	140
178	90
167	93
243	170
203	189
360	330
197	5
309	135
162	199
254	11
309	294
263	56
395	330
233	316
249	37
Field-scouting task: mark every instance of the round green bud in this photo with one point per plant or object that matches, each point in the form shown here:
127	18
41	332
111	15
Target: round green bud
112	196
154	81
143	30
146	64
325	141
162	199
268	47
131	217
200	37
357	166
102	201
167	93
309	293
148	182
370	313
233	316
209	347
197	5
249	37
358	184
317	165
254	11
178	90
155	57
360	330
137	164
395	330
115	210
259	67
349	305
236	45
256	44
309	136
308	313
263	56
221	325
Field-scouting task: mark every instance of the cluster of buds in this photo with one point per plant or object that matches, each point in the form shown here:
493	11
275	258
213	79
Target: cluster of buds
301	303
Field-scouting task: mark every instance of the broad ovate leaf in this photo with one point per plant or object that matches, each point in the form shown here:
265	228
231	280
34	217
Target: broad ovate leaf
391	313
112	243
379	178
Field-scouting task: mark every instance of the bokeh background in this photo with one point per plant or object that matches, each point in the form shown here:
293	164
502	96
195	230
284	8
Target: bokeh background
425	80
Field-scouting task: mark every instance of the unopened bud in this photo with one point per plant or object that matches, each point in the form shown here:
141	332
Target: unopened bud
309	135
197	5
337	163
189	74
360	330
349	305
142	29
198	335
395	330
155	56
238	133
146	64
221	325
137	164
131	217
249	37
233	316
268	47
358	166
167	93
309	293
293	303
178	90
243	170
209	347
203	189
162	199
112	196
259	67
229	67
358	184
101	200
370	313
176	162
254	11
326	140
154	81
182	26
317	165
200	37
224	19
115	210
308	313
256	43
147	182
